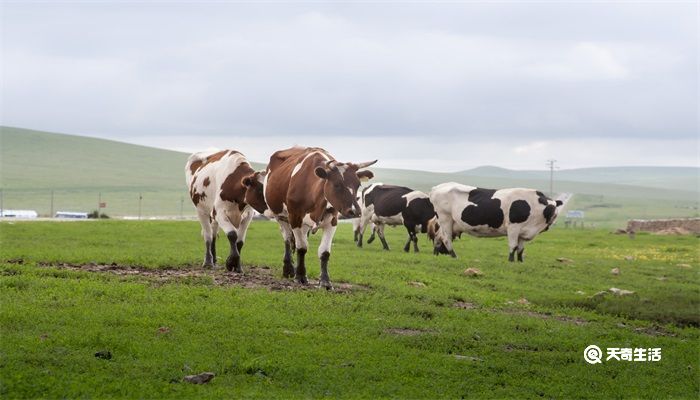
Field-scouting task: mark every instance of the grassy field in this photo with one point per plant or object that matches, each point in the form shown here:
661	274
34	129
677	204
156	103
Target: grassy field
77	170
399	325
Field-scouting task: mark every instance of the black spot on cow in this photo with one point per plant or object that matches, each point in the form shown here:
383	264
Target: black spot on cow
418	212
549	213
541	198
485	211
519	211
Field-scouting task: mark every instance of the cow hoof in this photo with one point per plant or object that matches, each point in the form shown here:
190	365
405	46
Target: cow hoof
288	271
453	254
208	266
302	280
233	264
325	284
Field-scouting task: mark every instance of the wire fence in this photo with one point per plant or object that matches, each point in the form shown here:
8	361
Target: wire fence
129	203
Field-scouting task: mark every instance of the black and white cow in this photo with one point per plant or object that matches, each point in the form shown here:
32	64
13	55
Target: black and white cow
519	214
394	205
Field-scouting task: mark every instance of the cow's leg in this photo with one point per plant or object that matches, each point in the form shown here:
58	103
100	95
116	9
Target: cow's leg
356	229
324	253
521	249
214	234
364	221
373	234
301	241
407	246
380	233
229	218
444	237
513	239
415	241
246	218
205	222
288	235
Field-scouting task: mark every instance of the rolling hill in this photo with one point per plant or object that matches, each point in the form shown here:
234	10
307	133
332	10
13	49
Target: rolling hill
50	172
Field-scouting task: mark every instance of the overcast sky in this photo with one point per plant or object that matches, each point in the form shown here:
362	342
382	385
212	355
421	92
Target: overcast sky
439	86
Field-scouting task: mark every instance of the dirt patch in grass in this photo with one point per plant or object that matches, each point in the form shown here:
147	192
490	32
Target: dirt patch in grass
652	330
464	305
405	331
253	277
541	315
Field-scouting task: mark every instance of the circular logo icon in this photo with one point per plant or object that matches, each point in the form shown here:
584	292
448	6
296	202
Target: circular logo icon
592	354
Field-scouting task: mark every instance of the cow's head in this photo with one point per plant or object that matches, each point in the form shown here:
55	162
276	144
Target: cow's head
436	235
255	193
341	181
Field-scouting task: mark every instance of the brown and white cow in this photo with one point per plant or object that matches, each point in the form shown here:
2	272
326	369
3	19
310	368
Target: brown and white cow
224	189
306	189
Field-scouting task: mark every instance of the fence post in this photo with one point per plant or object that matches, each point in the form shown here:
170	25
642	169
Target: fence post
99	202
140	198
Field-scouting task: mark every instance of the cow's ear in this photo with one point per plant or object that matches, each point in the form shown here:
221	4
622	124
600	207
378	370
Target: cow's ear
321	172
364	176
559	203
248	180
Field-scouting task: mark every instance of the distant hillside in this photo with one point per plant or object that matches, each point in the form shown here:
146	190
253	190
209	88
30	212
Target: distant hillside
679	178
42	160
80	171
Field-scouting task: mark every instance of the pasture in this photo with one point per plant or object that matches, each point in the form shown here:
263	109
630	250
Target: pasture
397	325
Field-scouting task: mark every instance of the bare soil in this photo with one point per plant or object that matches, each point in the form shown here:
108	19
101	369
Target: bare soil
253	276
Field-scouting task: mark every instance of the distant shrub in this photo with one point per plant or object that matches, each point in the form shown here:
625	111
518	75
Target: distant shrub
93	215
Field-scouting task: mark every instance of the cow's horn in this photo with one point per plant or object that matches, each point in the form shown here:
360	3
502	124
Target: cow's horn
365	164
331	163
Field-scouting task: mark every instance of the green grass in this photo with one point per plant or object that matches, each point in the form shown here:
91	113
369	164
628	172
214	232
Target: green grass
313	343
77	169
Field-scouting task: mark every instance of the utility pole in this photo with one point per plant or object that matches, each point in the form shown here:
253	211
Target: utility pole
182	202
550	164
99	203
51	213
140	198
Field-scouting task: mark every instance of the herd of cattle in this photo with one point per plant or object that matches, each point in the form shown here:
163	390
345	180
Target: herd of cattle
305	189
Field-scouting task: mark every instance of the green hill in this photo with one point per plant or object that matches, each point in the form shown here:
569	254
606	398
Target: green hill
51	172
677	178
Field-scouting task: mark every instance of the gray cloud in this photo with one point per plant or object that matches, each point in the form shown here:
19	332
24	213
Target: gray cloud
504	73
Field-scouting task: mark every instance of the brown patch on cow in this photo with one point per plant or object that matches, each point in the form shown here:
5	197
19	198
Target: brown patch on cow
233	189
406	331
196	197
195	166
253	277
206	182
216	156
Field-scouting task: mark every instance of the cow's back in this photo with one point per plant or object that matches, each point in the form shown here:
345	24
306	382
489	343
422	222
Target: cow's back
388	200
